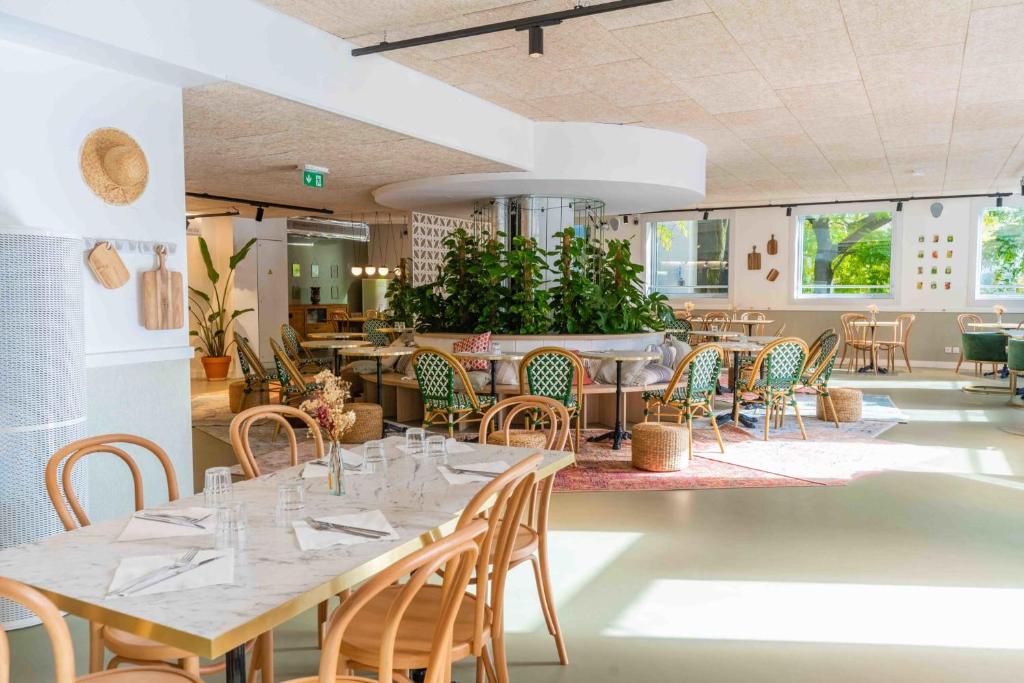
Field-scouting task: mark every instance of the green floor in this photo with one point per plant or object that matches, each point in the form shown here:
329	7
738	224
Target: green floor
900	576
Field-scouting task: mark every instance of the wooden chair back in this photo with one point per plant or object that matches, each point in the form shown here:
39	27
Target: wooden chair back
69	456
243	422
250	363
782	360
702	367
512	493
815	347
851	332
288	372
339	314
904	321
757	330
553	372
458	555
541	408
965	319
53	623
291	339
716	320
436	371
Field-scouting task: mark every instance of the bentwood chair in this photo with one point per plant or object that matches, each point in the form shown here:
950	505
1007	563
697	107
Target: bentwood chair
436	372
963	322
556	373
295	386
281	416
299	354
854	339
821	360
531	541
773	377
372	328
63	651
401	606
900	341
702	367
479	623
127	648
755	330
717	321
679	328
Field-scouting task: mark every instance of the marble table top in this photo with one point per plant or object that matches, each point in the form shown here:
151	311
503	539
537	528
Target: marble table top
623	355
874	323
489	355
334	344
336	335
993	326
274	579
381	351
741	347
714	333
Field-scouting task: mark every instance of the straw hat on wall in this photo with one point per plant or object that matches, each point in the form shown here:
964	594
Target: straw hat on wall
114	166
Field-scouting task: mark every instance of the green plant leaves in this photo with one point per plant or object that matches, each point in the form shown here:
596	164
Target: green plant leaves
240	255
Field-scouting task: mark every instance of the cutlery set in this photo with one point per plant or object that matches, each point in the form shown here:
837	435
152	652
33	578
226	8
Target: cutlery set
168	518
183	564
319	525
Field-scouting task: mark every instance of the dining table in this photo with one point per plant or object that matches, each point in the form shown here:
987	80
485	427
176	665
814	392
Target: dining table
736	348
873	326
336	346
493	358
337	335
618	433
273	580
714	334
750	323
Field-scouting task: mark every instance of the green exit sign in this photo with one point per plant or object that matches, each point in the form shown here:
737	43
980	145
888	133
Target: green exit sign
312	179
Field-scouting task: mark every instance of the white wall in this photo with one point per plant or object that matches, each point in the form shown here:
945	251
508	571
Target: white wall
50	104
271	307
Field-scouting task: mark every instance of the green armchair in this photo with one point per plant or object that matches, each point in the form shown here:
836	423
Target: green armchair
1015	362
985	347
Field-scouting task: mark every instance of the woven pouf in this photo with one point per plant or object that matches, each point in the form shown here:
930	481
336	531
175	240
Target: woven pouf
848	403
659	447
369	423
519	438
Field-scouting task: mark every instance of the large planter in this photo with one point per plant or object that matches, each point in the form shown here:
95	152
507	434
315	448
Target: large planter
527	342
216	367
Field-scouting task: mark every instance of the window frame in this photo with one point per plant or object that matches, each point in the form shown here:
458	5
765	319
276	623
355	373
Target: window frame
796	297
974	296
651	252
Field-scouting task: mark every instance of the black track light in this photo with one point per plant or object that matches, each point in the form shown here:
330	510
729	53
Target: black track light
259	214
899	206
999	202
706	215
789	210
536	42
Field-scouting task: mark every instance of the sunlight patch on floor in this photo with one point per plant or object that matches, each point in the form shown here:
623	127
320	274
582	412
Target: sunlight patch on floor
931	616
946	415
576	558
871	385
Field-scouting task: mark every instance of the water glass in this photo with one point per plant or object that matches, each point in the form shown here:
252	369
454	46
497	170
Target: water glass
374	461
232	524
291	503
496	348
399	327
437	447
217	488
414	440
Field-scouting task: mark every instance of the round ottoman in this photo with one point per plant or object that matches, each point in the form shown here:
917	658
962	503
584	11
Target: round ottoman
660	447
848	403
519	438
369	423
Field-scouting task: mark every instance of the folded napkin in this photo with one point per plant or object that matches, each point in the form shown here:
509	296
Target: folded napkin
313	471
219	571
451	445
498	466
311	539
140	529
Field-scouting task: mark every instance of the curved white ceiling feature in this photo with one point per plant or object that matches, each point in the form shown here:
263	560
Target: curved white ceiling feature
631	169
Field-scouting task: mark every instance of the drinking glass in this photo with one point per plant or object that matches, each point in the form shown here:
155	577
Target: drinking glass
414	440
291	503
374	461
496	348
231	527
217	488
437	447
399	327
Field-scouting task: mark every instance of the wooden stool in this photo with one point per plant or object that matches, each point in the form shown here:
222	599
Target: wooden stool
369	423
519	438
848	404
659	447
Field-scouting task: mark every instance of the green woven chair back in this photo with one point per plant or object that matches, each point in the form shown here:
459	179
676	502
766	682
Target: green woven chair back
436	378
551	375
827	343
703	374
678	328
783	365
243	362
290	339
371	327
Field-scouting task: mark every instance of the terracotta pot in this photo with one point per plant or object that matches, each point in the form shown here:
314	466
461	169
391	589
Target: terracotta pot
216	367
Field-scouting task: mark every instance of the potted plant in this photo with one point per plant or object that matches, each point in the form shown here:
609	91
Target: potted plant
211	320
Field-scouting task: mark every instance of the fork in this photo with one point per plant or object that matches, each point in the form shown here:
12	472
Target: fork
354	530
182	561
477	473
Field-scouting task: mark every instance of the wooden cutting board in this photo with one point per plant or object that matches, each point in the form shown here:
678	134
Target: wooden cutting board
754	260
162	297
106	264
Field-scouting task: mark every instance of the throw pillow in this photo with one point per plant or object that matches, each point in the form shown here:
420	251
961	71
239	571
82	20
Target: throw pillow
475	344
389	362
667	351
477	380
587	379
630	372
404	364
507	372
661	373
362	367
682	350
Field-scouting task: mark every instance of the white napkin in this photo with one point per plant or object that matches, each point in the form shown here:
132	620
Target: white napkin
311	539
498	466
141	529
210	574
311	471
451	445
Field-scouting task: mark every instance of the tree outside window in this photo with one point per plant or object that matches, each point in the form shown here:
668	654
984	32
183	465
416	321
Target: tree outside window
846	254
1001	256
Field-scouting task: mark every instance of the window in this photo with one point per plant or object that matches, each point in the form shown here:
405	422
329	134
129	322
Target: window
690	257
845	255
1001	253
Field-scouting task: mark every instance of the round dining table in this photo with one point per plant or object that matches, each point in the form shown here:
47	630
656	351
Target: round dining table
736	348
618	433
873	325
493	358
336	335
336	346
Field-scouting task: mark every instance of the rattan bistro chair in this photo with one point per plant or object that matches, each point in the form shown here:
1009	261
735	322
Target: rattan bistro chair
63	650
702	366
679	328
372	328
821	360
436	371
773	377
127	648
294	385
300	355
555	373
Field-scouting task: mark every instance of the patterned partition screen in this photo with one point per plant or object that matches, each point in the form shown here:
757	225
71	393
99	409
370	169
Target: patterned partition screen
428	235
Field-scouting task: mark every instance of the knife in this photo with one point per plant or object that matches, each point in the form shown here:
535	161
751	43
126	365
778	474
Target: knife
160	578
478	473
170	520
354	530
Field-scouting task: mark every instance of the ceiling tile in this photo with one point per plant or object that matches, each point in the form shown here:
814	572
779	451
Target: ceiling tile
632	81
581	107
826	100
913	71
759	123
853	130
650	14
750	20
738	91
821	57
684	115
997	83
987	116
879	27
994	36
707	49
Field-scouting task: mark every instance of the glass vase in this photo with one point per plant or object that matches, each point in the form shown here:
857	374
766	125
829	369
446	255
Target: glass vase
335	469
